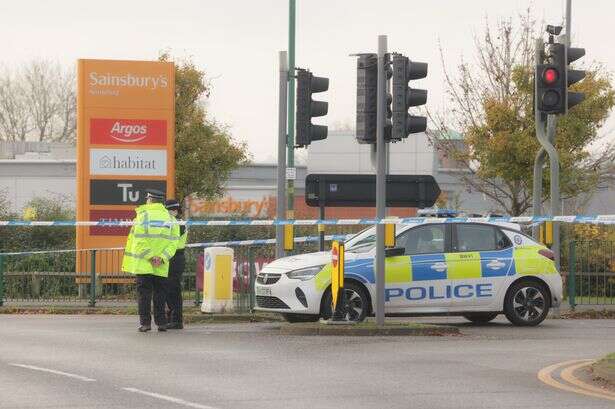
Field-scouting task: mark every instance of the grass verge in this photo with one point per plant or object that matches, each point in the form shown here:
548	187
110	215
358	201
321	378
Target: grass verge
604	369
588	314
192	315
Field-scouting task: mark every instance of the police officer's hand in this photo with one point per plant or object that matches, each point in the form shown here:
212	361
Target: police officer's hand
156	261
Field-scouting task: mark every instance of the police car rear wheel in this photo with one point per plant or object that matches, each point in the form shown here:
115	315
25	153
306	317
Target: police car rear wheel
526	304
480	317
357	303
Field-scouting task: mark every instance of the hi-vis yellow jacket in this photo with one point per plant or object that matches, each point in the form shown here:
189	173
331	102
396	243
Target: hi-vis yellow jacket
147	240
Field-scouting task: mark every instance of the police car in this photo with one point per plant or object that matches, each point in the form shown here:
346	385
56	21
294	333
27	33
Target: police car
474	269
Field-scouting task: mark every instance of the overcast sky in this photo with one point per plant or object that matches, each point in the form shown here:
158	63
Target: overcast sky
237	42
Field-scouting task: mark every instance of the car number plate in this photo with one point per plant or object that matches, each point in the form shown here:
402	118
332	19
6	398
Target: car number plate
263	291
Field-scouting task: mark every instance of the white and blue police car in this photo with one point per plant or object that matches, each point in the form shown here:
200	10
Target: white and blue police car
474	269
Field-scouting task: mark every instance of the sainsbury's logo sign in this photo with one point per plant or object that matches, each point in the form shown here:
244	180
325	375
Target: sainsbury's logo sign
128	80
105	131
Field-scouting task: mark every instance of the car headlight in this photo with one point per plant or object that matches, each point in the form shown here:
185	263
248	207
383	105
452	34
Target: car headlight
304	273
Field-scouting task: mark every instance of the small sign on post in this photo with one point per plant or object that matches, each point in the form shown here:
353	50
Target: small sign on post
291	173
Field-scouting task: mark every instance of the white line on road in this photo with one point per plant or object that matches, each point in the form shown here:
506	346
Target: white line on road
169	399
53	371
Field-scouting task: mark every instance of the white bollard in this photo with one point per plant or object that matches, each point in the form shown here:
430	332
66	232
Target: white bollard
217	280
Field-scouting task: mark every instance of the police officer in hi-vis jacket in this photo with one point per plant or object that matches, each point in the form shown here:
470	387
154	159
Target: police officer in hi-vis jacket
152	242
177	265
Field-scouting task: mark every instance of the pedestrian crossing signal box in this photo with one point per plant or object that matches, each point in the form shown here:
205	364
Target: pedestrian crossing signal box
289	237
389	235
546	233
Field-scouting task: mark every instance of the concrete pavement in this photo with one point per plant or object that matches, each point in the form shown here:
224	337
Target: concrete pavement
45	361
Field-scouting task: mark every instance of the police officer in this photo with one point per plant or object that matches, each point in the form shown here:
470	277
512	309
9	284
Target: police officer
151	244
177	265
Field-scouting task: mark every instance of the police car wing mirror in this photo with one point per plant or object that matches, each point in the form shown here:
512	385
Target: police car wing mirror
394	251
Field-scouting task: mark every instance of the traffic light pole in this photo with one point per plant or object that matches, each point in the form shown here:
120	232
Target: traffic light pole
545	133
539	163
291	107
568	22
281	198
541	156
380	179
555	193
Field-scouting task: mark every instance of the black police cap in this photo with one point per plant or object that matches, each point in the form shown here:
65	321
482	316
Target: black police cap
172	204
154	194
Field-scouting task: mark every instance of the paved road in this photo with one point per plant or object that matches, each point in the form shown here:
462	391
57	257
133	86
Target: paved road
102	362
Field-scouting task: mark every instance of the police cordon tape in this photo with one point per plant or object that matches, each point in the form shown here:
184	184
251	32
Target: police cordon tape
232	243
596	219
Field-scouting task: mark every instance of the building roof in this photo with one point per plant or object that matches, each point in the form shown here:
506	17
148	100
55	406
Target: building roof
450	134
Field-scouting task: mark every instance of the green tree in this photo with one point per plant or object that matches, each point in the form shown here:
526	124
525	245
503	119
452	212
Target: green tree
13	238
205	153
491	104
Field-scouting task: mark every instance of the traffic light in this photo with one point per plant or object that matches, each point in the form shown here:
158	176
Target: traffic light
367	97
405	97
308	84
388	100
563	56
553	80
550	88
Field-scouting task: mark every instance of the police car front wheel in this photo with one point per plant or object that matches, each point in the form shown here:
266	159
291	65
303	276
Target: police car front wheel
526	303
357	303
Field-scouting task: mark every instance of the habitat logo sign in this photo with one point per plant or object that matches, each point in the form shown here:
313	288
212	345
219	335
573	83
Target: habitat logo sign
128	162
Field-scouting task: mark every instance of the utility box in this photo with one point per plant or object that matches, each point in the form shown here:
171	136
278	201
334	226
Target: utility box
217	280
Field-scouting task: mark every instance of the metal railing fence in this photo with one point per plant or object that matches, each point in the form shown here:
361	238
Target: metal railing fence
94	277
591	273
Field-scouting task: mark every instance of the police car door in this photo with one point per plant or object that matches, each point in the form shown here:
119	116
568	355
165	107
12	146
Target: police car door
416	281
480	259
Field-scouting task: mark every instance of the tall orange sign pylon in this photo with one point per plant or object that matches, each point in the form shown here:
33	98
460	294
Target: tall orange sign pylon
125	145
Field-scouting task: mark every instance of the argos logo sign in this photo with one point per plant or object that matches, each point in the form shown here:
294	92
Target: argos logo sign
104	131
128	133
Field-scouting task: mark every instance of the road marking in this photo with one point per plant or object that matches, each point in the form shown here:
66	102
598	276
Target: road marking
53	371
169	399
546	375
568	375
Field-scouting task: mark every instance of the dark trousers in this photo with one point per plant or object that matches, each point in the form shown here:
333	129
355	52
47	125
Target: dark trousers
148	285
175	300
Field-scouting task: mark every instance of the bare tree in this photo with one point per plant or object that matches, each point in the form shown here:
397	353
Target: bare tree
39	77
67	107
38	101
15	123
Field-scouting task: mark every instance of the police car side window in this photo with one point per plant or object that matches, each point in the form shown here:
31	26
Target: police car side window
477	237
423	240
502	241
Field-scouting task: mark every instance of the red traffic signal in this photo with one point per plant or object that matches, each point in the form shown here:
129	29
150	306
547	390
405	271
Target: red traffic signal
550	88
550	76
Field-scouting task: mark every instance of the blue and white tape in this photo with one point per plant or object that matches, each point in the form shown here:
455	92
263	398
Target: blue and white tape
595	219
232	243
